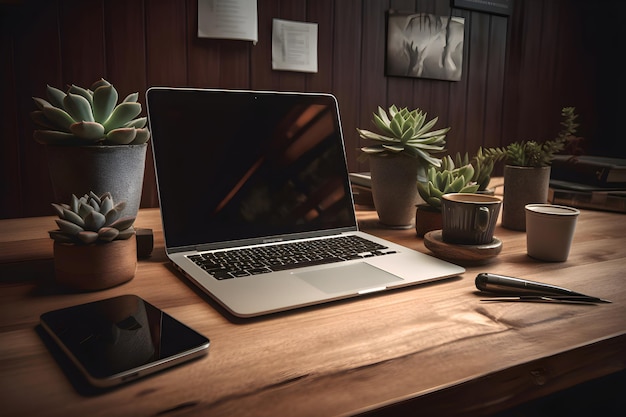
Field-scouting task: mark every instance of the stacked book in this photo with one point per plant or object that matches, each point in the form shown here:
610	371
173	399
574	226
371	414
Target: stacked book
362	188
591	182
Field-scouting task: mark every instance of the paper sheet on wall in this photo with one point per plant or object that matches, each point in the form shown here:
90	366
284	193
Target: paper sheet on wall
294	46
228	19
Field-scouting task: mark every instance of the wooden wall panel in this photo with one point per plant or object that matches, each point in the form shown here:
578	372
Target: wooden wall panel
125	47
518	71
373	86
9	148
37	62
82	41
261	73
322	13
494	89
347	69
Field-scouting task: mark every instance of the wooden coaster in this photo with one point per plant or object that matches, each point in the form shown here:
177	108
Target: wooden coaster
466	253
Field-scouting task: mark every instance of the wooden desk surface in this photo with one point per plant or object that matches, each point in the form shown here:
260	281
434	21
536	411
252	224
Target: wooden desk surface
434	348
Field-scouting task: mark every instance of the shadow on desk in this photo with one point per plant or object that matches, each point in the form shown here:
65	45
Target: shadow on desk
602	397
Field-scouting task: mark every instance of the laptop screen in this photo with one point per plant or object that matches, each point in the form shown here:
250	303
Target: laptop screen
242	167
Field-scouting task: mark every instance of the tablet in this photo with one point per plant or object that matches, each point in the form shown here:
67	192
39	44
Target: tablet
119	339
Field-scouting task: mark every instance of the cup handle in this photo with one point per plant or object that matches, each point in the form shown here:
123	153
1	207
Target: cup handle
482	218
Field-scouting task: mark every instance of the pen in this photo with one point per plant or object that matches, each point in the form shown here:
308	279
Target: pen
510	285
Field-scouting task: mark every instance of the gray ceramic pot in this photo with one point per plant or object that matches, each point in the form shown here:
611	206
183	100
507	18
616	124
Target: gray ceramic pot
522	185
394	189
115	169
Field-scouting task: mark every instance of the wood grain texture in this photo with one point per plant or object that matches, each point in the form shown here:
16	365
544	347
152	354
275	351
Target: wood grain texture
434	348
518	71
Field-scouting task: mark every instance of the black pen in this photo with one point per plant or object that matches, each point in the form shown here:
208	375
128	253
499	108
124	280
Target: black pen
502	284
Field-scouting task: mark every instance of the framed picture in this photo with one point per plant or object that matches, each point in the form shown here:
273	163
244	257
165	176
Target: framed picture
424	45
501	7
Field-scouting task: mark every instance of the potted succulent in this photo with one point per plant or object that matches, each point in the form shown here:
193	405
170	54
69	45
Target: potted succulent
441	180
401	155
527	171
94	245
483	165
92	142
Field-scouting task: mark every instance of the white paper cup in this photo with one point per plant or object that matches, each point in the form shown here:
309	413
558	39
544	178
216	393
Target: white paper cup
550	231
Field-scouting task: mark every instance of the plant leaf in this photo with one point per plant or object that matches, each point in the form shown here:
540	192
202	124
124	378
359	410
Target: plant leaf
68	227
126	233
107	234
104	101
69	215
121	136
91	131
122	114
137	123
142	136
106	205
55	96
78	107
94	220
87	236
58	117
123	223
132	97
74	89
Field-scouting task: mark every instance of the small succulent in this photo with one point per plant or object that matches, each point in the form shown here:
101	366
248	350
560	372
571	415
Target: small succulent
537	154
483	167
91	219
405	131
89	117
446	179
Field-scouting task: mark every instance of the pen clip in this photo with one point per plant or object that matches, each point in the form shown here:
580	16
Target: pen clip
548	299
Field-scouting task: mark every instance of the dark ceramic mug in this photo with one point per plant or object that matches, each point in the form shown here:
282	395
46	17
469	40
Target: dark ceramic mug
469	219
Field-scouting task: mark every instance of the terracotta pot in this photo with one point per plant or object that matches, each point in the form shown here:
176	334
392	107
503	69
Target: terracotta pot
427	219
115	169
522	185
96	266
394	189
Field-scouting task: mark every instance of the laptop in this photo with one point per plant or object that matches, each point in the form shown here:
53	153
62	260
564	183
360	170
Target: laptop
253	173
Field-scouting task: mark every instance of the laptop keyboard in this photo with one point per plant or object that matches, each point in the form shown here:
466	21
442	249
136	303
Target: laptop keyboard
260	260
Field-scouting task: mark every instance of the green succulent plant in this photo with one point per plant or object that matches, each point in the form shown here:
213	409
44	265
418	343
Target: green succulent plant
446	179
89	117
483	167
405	131
91	219
533	153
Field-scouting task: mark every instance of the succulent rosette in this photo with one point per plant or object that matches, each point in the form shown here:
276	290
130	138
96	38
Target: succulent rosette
89	117
91	219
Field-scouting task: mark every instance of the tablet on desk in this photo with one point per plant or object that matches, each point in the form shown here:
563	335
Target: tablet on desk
120	339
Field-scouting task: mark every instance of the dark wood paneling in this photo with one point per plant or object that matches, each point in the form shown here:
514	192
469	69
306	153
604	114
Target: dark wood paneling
347	69
82	41
518	72
9	148
322	13
37	62
373	86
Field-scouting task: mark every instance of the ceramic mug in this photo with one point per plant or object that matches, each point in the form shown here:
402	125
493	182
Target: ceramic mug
469	219
550	231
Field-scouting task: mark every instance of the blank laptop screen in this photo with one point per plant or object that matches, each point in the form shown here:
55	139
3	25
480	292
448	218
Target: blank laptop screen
242	167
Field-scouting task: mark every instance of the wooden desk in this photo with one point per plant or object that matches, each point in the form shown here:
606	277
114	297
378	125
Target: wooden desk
434	348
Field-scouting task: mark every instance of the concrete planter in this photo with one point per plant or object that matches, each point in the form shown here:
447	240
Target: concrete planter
522	185
115	169
394	189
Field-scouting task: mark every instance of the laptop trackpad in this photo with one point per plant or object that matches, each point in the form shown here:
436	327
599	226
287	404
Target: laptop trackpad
354	277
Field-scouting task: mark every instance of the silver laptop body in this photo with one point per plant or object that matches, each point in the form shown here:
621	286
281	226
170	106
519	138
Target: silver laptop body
242	169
